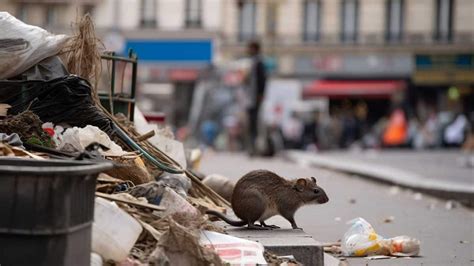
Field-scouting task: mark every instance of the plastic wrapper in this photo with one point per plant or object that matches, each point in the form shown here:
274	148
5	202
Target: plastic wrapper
234	250
22	45
361	240
77	139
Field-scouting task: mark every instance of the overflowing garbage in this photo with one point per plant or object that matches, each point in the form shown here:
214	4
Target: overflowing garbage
131	201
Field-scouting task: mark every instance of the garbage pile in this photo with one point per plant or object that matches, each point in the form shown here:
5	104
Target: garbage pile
148	208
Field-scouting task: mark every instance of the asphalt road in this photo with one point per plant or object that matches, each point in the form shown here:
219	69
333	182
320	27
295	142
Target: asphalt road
446	230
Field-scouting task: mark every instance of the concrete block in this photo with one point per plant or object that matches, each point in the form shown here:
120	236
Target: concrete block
283	241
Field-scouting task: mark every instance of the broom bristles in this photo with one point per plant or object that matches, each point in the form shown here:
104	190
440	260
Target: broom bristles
82	53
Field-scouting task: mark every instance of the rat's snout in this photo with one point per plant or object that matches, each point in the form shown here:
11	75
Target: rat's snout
323	199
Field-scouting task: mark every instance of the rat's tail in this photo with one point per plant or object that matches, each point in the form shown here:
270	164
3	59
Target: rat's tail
226	219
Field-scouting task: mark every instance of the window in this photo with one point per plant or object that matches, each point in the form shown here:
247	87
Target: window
193	13
148	13
444	20
22	13
312	20
394	17
51	15
349	20
247	20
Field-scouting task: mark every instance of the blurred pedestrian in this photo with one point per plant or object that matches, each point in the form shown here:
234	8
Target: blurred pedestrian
396	132
255	91
455	133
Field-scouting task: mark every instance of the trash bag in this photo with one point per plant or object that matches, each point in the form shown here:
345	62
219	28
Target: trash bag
361	240
22	45
62	100
49	68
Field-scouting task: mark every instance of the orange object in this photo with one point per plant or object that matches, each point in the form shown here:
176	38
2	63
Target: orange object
396	131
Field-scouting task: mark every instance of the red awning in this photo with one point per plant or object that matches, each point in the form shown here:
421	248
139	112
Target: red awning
183	74
355	88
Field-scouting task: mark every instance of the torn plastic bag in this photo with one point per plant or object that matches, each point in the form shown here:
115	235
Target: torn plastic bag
49	68
63	100
22	45
361	240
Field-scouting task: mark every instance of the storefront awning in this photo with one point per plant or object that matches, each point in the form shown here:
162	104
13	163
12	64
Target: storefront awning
356	88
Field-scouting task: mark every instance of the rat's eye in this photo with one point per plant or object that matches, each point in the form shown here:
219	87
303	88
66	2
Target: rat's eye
317	191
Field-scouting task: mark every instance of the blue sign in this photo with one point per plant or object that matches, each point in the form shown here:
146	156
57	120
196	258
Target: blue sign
192	51
453	62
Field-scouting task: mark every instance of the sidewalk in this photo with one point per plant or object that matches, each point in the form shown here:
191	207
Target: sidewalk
434	172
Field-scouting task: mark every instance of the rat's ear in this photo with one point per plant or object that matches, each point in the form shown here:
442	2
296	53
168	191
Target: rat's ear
300	184
313	179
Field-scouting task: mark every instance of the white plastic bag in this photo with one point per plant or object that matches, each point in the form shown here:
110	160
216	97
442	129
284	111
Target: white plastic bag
77	139
234	250
22	45
361	240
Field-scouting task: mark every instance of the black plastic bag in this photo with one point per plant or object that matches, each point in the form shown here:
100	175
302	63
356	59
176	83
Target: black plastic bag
62	100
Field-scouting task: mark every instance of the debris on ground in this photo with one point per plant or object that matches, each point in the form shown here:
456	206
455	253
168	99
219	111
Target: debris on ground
394	190
379	257
451	204
361	240
389	219
418	196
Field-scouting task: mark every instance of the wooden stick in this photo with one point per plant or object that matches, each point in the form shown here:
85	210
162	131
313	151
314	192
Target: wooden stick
143	205
145	136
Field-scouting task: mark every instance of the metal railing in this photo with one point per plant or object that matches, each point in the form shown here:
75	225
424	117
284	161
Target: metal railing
115	101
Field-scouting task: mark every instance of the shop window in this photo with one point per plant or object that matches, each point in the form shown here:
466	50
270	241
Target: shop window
349	20
394	25
148	13
193	13
247	21
444	20
311	20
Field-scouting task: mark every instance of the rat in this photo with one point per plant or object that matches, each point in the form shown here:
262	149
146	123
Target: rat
261	194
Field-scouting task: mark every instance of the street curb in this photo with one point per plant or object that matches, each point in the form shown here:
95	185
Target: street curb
390	175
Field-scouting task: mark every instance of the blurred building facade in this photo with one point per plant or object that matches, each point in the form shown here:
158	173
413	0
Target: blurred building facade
362	49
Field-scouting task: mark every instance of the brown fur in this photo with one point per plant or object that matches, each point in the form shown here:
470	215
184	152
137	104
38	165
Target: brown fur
262	194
